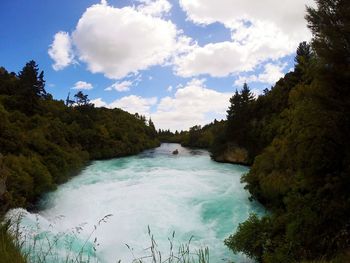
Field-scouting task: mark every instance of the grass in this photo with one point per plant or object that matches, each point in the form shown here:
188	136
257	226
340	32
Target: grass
9	246
18	245
183	254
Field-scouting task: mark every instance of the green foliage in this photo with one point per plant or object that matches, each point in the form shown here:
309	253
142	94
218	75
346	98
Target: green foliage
237	114
301	163
196	137
250	237
82	99
9	248
44	142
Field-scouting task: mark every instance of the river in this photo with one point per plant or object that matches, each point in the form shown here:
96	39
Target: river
187	194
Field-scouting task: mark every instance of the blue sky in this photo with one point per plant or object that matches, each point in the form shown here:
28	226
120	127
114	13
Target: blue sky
176	61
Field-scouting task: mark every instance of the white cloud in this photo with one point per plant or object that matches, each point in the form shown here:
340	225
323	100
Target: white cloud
132	104
261	31
219	59
250	47
120	86
135	104
272	73
191	105
154	7
61	51
98	102
82	85
121	41
287	15
170	88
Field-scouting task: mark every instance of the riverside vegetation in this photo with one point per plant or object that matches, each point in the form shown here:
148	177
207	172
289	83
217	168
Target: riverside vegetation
295	136
43	142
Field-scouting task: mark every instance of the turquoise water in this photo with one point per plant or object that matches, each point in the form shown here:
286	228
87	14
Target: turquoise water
187	193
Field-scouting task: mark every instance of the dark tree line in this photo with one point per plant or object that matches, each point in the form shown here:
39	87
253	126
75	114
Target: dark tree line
43	142
196	137
301	161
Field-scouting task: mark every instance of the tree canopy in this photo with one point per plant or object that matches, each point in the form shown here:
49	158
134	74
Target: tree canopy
43	142
301	172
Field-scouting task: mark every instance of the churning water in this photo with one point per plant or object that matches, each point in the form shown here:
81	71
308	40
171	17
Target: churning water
187	193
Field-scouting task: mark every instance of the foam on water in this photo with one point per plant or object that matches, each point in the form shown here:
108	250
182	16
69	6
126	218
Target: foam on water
187	193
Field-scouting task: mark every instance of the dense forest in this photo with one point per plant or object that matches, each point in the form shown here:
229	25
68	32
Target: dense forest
296	137
43	142
195	137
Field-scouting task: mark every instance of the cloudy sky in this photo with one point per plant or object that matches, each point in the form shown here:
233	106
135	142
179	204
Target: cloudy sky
176	61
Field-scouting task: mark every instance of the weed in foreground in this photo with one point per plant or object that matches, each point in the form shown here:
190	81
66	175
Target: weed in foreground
32	244
183	254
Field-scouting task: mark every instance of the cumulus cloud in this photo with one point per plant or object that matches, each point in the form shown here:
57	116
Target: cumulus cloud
120	41
170	88
132	104
61	51
219	60
154	7
261	31
135	104
251	47
120	86
82	85
98	102
192	104
271	74
287	15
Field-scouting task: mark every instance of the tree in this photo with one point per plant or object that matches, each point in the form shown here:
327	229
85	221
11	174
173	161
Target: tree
330	23
7	82
303	174
69	102
31	87
303	60
234	108
194	134
238	115
32	82
81	99
153	132
151	124
247	95
239	103
250	238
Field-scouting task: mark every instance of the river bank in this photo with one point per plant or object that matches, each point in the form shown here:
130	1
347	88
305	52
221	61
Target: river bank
187	193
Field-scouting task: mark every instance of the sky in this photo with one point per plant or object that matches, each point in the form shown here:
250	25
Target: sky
175	61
